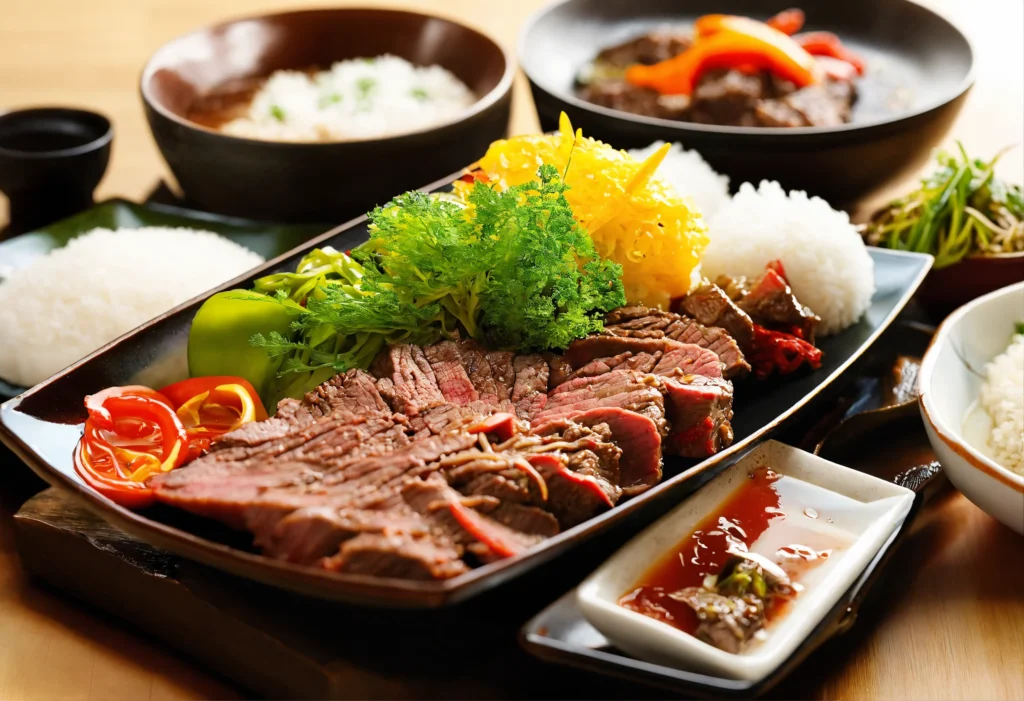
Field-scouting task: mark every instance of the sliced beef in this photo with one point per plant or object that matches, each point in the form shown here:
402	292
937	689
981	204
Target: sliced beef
778	113
398	555
646	323
503	373
617	94
354	391
620	390
627	360
443	506
770	302
572	497
529	393
308	534
445	360
449	417
511	487
700	411
821	107
291	418
728	98
688	359
559	369
711	306
648	49
639	441
530	520
490	372
606	346
406	380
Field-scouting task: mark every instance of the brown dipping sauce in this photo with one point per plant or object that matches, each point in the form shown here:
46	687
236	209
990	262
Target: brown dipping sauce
738	523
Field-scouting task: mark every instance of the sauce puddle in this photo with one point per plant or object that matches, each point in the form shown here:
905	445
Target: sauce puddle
780	518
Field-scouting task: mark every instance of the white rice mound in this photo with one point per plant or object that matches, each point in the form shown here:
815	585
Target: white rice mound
68	303
690	176
1002	397
825	259
355	99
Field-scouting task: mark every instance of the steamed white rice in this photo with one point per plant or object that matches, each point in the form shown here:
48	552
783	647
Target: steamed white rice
68	303
691	176
1002	398
825	259
355	99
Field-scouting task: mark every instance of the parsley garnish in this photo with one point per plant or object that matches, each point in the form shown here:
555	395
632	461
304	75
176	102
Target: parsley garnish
514	270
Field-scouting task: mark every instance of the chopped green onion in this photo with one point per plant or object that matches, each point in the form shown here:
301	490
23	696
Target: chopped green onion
277	112
331	99
960	208
365	86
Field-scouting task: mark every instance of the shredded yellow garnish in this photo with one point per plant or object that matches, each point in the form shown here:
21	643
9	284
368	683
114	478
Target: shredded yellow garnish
634	218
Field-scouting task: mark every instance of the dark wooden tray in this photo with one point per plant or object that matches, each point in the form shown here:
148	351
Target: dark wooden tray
283	645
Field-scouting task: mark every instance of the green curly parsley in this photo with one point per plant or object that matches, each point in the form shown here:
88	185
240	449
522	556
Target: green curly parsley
514	270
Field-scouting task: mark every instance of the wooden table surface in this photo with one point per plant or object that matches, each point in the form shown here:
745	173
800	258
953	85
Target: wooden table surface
955	627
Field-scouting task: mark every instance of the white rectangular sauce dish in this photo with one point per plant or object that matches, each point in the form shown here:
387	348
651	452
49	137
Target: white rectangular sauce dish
826	506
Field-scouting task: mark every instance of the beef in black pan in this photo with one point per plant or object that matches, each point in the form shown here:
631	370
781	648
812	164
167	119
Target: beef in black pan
820	92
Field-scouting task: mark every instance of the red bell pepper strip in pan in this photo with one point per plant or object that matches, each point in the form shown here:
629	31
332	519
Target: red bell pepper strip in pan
828	44
740	42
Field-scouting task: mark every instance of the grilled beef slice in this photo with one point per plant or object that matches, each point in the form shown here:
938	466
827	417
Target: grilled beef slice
406	380
529	393
453	381
700	409
646	323
770	302
711	306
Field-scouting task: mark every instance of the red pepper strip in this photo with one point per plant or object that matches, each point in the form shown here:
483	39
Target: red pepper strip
492	537
775	351
788	21
181	392
475	176
836	69
743	42
828	44
93	462
552	463
173	438
503	425
100	415
776	265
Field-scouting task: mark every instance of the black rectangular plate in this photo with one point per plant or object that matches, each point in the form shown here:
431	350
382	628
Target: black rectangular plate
42	427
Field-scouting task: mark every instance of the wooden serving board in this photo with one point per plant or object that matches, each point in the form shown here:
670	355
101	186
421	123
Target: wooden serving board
281	645
278	645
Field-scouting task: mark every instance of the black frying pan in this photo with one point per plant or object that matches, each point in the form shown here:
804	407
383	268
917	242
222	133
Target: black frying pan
920	68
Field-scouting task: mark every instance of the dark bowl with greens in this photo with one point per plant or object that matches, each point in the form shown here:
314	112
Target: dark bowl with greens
966	216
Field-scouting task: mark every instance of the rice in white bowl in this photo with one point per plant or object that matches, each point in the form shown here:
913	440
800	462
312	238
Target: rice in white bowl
691	176
1002	398
355	99
825	259
68	303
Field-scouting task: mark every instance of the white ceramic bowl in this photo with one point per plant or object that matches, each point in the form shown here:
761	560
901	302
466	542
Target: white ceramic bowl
950	378
865	507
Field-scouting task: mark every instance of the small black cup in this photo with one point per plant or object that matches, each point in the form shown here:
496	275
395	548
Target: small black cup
51	160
